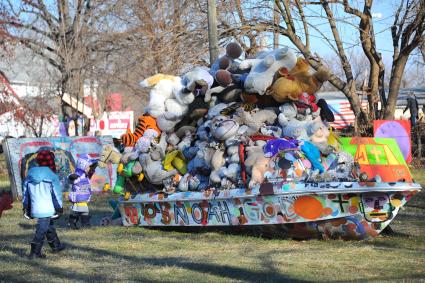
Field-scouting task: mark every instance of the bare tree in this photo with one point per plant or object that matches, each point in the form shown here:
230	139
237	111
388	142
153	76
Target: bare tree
408	34
62	32
31	114
166	36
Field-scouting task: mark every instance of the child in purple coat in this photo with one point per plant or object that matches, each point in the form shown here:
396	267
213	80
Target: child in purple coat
80	192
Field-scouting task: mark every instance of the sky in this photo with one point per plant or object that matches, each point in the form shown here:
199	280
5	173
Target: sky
382	10
383	16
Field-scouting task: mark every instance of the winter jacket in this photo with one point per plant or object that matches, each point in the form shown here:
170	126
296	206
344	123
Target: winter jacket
81	187
42	195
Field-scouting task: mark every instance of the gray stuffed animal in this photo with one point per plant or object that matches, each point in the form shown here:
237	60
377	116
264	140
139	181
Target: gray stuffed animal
255	119
152	165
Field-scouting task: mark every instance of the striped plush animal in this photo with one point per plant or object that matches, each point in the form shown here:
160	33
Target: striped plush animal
145	122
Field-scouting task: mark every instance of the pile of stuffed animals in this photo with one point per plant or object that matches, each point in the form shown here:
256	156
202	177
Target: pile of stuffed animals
238	124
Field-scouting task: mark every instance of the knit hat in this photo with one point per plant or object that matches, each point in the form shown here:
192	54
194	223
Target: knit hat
46	158
84	161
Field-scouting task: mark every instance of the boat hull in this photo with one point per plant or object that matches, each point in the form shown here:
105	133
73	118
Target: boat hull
315	210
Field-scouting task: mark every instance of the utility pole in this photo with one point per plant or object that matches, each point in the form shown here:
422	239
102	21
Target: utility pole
212	30
276	22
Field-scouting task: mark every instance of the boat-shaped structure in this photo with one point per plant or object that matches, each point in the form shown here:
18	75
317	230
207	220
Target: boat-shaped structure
348	210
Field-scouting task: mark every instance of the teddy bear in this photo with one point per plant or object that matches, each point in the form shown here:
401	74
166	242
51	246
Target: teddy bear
230	93
344	167
203	132
216	109
198	82
292	127
194	83
181	138
262	69
223	127
318	134
227	64
255	119
256	165
217	162
193	182
290	83
260	100
151	161
199	157
164	87
227	130
230	174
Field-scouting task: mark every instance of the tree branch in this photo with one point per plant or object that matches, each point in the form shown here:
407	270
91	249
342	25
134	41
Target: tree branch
305	24
343	57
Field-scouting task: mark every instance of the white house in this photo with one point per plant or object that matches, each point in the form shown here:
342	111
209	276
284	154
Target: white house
29	77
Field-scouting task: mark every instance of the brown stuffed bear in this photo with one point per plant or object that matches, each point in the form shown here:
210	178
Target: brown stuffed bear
289	85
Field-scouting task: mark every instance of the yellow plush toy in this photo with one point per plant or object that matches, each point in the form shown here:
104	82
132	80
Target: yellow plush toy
334	140
153	80
289	85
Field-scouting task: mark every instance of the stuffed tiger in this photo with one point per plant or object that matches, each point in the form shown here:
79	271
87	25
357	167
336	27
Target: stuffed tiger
145	122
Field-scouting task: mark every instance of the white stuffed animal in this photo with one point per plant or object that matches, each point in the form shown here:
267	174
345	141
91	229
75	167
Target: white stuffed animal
263	68
164	88
177	105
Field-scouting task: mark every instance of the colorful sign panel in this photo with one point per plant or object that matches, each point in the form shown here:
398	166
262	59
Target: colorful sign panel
20	154
397	129
346	215
378	156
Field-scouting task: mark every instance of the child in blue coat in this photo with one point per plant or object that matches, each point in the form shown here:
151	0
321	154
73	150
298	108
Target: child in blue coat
42	199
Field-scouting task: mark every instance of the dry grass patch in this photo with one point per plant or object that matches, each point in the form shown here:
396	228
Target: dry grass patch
110	254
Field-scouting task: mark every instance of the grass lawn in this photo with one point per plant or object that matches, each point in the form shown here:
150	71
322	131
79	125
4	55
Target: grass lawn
110	254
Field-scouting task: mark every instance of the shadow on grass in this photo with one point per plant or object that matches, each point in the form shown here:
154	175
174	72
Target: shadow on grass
226	272
26	226
54	273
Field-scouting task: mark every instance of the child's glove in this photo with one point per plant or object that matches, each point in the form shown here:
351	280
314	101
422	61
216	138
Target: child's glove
72	177
27	214
58	213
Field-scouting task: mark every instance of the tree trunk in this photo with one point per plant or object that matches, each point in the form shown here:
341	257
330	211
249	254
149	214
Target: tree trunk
212	30
372	93
351	94
396	76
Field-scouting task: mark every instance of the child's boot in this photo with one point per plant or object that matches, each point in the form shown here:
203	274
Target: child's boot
72	221
36	251
54	242
85	220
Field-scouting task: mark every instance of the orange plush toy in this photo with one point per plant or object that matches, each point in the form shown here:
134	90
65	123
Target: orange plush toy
145	122
289	85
